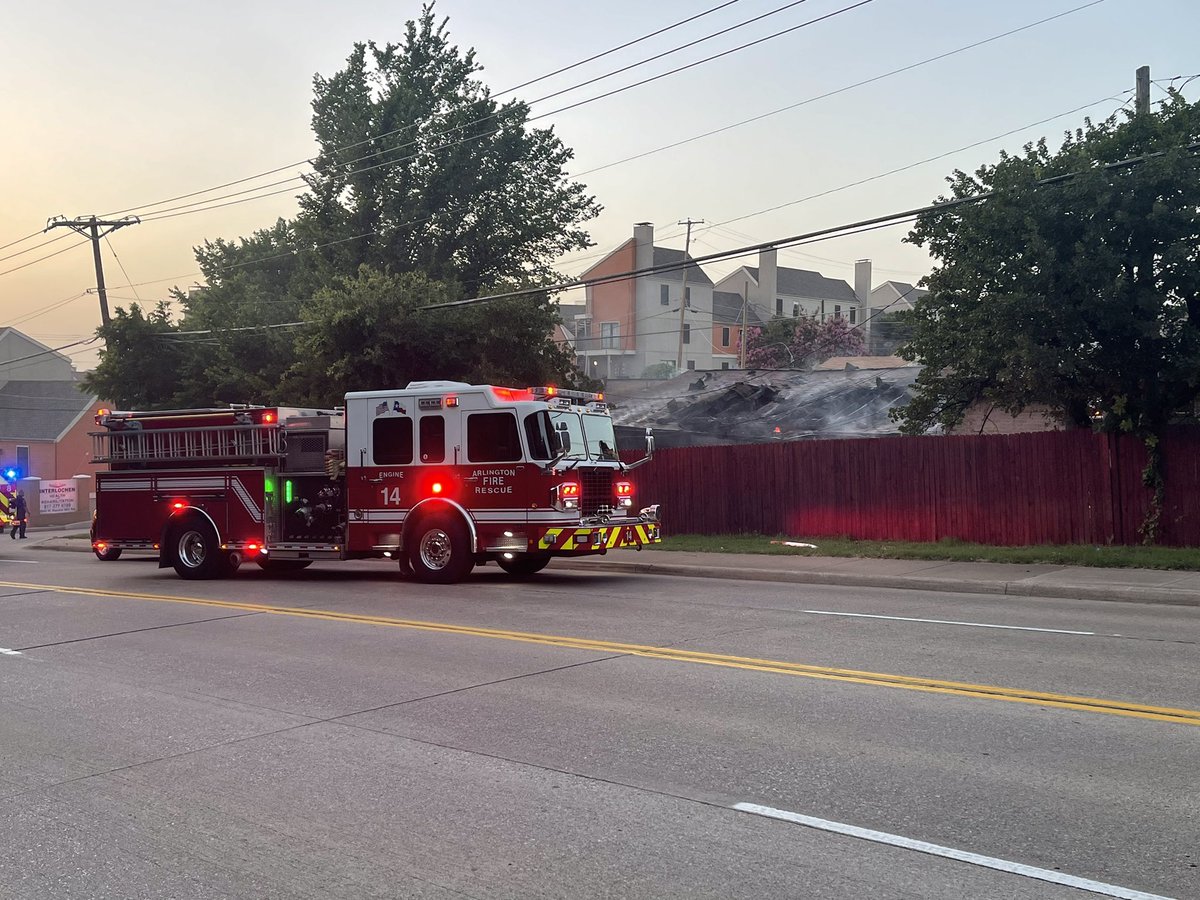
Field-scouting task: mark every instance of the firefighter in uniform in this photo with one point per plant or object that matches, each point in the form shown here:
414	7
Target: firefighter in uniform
20	514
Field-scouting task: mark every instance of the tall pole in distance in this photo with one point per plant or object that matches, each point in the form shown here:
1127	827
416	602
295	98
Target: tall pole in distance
1141	103
742	336
687	243
90	227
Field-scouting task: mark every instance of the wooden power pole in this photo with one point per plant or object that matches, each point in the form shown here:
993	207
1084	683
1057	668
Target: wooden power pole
687	243
1141	103
90	227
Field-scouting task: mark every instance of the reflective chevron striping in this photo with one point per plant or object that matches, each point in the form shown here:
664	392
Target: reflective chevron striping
610	538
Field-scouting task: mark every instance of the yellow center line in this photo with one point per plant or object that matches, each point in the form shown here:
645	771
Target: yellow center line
774	666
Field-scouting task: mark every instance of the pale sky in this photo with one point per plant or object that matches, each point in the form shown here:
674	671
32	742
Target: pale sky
108	107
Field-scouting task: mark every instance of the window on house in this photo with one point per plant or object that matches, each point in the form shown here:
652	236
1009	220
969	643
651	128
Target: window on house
687	296
691	364
433	439
724	337
664	294
725	365
610	335
23	460
392	441
583	326
837	311
795	310
493	437
853	314
779	306
687	334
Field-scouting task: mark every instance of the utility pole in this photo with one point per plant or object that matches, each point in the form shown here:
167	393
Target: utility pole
90	227
742	337
687	243
1141	103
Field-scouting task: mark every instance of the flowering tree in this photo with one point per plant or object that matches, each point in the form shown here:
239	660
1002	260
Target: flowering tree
801	343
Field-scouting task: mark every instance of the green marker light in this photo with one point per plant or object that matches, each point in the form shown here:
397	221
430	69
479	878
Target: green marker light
287	491
269	485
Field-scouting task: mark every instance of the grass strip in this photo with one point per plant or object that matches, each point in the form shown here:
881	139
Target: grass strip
1119	557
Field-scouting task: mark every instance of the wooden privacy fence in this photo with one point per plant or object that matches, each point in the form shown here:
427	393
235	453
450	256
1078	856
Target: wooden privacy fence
1055	487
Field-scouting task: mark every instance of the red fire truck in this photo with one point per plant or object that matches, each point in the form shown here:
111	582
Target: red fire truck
440	476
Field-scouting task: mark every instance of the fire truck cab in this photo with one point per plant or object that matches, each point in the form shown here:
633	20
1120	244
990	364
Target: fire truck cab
439	476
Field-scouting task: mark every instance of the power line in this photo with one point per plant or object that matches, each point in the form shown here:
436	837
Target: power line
34	262
821	234
200	206
27	237
32	249
9	362
409	126
653	151
841	90
113	251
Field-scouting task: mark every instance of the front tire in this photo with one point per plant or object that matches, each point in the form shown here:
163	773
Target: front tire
439	549
108	554
196	553
525	565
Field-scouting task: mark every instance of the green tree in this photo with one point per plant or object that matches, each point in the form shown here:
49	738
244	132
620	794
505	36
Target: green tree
1082	294
369	331
141	365
419	172
436	176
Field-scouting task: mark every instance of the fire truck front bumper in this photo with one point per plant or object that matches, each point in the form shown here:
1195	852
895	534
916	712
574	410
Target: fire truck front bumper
613	535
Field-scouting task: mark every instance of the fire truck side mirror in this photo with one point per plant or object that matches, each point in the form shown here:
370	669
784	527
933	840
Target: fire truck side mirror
649	441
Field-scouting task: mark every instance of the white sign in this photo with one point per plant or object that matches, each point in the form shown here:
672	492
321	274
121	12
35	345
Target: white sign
58	497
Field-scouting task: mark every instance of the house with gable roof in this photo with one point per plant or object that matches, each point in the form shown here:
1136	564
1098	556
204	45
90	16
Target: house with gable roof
774	291
45	415
634	323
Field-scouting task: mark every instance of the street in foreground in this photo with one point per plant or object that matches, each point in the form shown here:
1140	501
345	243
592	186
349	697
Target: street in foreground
343	733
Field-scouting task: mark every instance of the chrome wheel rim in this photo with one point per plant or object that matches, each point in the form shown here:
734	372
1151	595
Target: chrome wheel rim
435	549
192	550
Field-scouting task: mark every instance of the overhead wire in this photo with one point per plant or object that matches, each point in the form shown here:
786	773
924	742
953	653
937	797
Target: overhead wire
34	262
374	138
212	202
54	240
113	251
843	89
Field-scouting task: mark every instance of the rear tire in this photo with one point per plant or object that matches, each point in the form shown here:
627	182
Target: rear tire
280	566
195	552
439	549
108	554
525	565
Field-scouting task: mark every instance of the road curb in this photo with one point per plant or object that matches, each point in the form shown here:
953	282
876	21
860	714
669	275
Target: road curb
947	585
841	579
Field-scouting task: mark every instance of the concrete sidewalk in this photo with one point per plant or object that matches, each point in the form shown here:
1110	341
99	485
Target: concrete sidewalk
1071	582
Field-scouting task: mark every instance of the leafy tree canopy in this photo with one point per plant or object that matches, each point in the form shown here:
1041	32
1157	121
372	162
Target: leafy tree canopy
1082	294
801	342
420	172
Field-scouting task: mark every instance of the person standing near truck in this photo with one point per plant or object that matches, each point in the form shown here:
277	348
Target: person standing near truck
20	515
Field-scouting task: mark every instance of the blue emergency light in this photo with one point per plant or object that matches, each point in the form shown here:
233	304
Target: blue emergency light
11	474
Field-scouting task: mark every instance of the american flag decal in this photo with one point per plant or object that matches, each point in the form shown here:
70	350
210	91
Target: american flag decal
381	408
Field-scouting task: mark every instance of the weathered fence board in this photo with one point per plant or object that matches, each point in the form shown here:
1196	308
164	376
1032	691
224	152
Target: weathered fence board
1054	487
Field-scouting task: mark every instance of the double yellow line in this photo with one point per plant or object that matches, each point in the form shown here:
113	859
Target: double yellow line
773	666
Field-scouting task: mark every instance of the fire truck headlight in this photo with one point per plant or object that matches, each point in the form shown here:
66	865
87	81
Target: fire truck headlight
567	495
626	502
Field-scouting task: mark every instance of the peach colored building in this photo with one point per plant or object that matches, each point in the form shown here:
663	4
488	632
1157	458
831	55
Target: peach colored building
45	415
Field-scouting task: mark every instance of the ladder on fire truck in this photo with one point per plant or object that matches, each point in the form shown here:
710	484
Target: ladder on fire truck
206	443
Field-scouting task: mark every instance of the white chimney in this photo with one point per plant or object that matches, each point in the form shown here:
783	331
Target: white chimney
862	290
643	241
768	281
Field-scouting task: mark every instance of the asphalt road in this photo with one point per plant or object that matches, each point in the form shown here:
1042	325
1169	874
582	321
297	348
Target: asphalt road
344	733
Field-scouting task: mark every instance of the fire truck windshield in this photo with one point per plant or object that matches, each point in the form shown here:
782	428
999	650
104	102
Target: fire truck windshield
570	418
601	442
